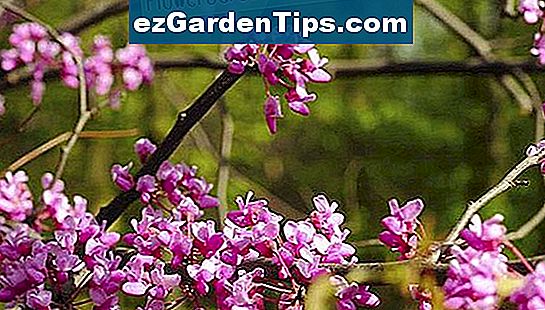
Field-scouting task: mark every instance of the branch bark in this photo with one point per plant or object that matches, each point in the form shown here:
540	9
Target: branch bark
481	46
225	157
508	182
187	119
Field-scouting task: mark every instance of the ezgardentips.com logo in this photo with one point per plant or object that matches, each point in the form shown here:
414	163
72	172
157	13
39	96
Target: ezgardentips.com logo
280	21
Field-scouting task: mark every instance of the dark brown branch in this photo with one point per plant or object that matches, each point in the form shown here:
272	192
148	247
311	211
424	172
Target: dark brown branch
343	68
350	68
187	119
94	15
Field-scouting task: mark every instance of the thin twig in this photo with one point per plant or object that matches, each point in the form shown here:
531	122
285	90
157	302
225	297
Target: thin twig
40	150
85	113
532	89
340	69
28	119
204	144
480	45
508	182
94	15
529	226
367	243
225	156
187	119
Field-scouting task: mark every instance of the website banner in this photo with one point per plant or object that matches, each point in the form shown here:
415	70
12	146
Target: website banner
273	21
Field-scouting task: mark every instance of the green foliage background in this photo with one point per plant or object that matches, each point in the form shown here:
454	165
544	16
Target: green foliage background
444	138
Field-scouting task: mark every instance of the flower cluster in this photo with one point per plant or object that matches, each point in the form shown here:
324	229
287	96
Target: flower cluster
474	272
15	196
289	67
532	10
400	234
34	49
178	250
531	296
175	182
33	268
297	250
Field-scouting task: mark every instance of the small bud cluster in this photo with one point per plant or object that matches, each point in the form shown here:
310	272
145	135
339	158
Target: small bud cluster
35	50
289	67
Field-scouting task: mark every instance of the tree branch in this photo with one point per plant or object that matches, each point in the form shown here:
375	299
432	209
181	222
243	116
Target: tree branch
225	156
94	15
105	134
480	45
341	68
530	225
187	119
84	112
508	182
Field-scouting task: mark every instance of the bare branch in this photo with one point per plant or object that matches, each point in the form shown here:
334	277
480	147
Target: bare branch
480	45
84	112
508	182
40	150
187	119
95	15
529	226
225	156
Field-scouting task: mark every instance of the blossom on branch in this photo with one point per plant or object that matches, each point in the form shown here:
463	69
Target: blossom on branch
531	295
34	49
400	234
286	67
474	272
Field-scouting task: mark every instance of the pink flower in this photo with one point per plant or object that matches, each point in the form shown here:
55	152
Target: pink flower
353	295
15	197
400	234
122	177
144	148
273	112
531	295
472	279
487	235
531	9
291	66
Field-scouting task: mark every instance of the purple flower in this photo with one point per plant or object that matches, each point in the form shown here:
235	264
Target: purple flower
98	68
208	270
146	187
531	9
400	234
136	66
243	293
291	66
422	296
39	299
144	148
487	235
325	218
472	279
15	197
207	240
273	112
531	295
122	177
145	275
353	295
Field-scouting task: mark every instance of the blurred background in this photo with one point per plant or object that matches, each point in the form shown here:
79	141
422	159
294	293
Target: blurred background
444	137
